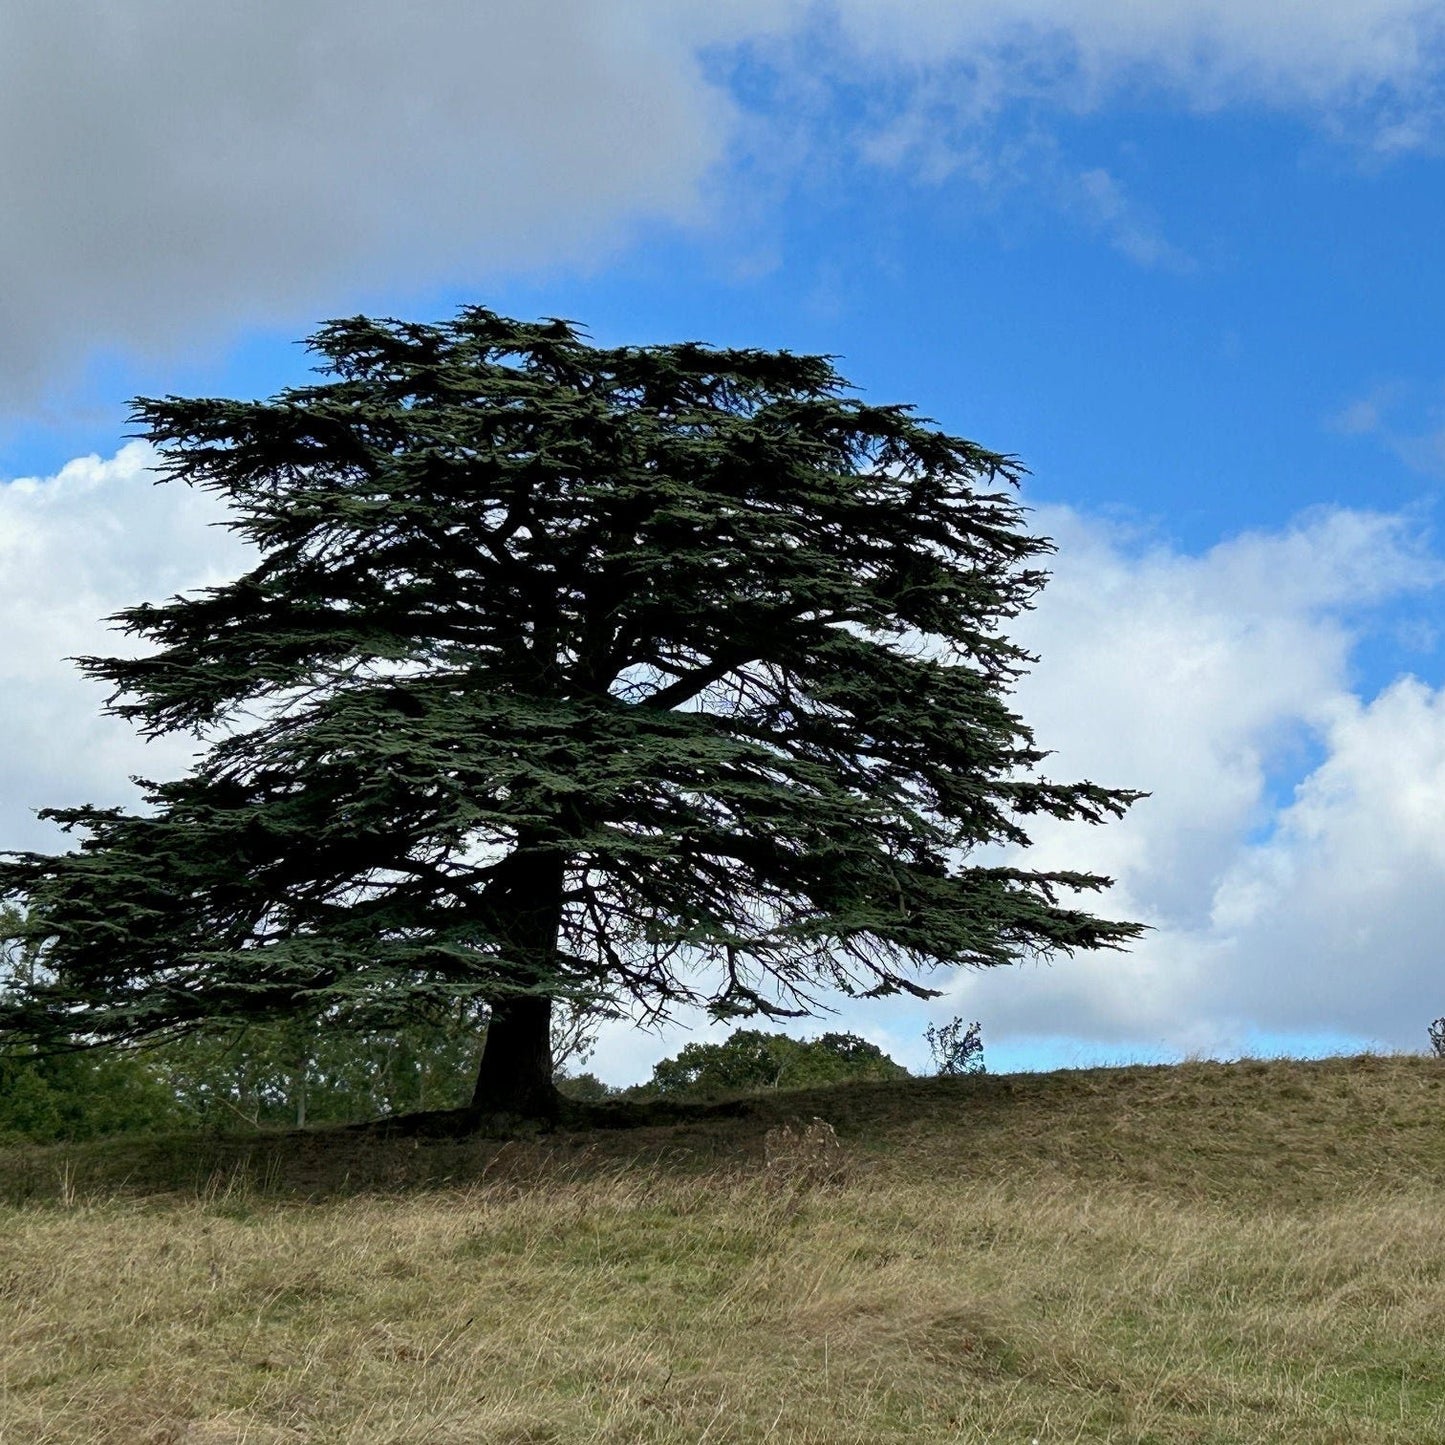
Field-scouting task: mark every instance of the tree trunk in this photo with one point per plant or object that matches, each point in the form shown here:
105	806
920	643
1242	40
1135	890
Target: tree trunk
515	1076
300	1067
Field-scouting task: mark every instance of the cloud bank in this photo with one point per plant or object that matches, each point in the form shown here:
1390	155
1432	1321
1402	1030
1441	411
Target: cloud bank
170	171
1290	858
1206	680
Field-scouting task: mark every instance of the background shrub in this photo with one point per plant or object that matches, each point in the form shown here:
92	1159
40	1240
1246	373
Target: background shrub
750	1061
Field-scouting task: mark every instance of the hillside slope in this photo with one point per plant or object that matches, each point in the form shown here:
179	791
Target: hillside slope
1200	1252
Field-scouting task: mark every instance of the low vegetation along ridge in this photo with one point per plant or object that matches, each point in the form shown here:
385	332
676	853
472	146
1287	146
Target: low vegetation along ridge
1202	1252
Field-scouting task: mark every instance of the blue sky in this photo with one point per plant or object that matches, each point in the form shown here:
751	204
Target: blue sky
1182	261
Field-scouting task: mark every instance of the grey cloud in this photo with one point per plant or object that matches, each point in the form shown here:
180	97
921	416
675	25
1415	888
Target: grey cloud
168	170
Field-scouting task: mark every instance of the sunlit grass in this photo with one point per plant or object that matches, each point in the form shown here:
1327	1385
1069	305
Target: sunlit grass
1199	1252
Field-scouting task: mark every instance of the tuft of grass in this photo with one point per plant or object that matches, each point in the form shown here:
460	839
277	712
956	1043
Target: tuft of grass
1200	1252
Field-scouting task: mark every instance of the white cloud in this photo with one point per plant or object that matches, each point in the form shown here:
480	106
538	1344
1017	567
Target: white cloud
1316	52
1196	678
1361	417
75	548
971	92
1408	420
1106	205
1347	894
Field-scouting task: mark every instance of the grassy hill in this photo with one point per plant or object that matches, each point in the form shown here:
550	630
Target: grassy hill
1200	1252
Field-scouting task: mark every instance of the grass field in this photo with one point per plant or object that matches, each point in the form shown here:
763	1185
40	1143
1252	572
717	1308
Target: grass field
1201	1252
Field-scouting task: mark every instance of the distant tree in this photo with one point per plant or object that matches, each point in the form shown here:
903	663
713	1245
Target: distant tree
751	1060
296	1072
1437	1038
587	1088
73	1095
567	674
574	1034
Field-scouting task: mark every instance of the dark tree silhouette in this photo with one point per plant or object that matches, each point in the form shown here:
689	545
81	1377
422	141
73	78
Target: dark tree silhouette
566	673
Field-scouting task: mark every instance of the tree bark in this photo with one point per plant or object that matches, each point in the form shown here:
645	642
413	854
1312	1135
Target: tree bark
515	1075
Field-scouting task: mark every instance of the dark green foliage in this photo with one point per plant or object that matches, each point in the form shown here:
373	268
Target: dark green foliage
82	1095
74	1095
585	1087
566	673
751	1060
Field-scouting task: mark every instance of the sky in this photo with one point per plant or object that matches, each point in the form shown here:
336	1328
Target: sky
1178	256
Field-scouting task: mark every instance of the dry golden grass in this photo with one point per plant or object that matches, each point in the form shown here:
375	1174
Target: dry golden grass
1203	1253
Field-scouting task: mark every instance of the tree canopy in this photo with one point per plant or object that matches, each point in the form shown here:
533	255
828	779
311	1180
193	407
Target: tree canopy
640	676
750	1060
